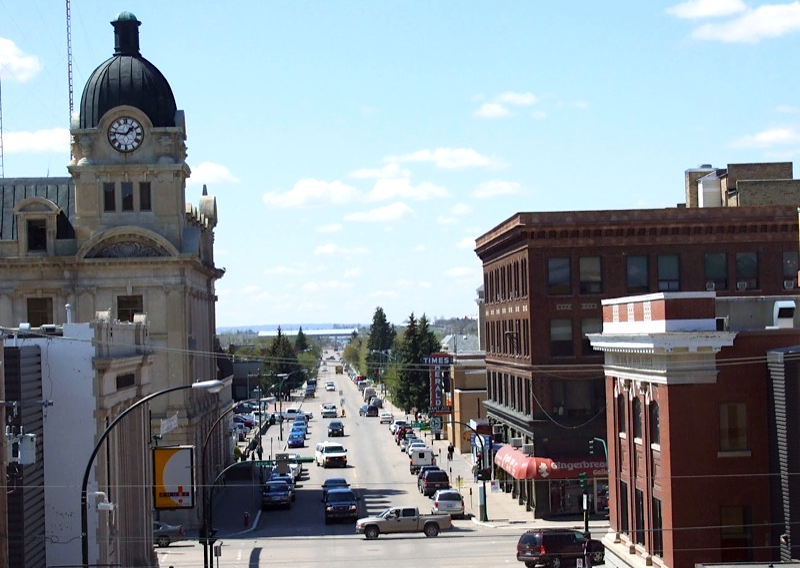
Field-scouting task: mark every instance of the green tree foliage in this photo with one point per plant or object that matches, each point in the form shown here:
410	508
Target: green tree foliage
409	382
301	341
379	344
282	359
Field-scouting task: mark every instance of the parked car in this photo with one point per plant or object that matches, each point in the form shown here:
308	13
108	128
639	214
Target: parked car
375	401
333	482
335	428
415	445
432	481
165	534
556	547
341	503
275	494
245	419
448	501
386	417
397	424
372	411
425	468
405	442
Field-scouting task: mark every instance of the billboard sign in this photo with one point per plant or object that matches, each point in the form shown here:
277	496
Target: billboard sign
440	382
173	477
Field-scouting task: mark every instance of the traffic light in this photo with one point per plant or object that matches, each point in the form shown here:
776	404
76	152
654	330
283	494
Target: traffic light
583	481
591	447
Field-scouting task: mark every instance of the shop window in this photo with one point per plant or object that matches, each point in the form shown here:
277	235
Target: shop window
126	188
561	338
716	271
40	311
733	427
127	306
559	277
669	274
638	277
109	197
144	196
789	270
37	235
591	275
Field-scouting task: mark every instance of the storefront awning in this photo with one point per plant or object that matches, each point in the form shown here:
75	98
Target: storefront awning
523	466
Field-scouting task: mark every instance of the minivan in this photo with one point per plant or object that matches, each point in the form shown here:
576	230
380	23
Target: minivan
432	481
556	547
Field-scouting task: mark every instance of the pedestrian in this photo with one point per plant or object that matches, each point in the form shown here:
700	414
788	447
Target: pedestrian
475	472
587	550
260	452
450	450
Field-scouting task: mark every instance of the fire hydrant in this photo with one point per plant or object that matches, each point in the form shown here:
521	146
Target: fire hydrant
246	519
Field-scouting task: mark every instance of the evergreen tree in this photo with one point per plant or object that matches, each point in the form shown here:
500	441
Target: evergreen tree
301	341
379	343
282	359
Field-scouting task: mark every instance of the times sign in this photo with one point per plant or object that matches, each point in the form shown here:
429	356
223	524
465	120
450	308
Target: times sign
439	364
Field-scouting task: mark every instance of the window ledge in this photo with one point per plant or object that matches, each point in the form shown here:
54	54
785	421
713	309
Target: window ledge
735	454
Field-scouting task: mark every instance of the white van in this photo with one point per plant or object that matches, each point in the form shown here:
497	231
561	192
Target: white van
419	457
330	454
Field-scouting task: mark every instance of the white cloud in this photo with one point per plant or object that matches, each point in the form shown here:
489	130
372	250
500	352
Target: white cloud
517	98
331	248
467	243
53	140
332	228
393	212
420	248
768	138
458	271
450	158
495	188
312	192
492	110
539	114
387	171
695	9
769	21
386	189
210	173
14	64
461	209
293	270
352	273
788	109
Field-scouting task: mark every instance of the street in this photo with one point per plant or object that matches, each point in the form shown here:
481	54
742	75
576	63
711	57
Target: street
378	471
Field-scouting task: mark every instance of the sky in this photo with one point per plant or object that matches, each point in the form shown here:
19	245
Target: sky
358	148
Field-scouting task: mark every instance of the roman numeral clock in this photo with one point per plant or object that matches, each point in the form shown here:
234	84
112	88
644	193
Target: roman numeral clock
125	134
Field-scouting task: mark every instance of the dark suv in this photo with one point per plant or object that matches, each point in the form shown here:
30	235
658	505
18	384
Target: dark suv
341	503
556	547
433	480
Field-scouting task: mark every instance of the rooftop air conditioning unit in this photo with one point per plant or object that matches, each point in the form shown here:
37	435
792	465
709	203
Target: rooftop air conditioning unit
788	284
527	449
710	286
783	314
516	442
741	285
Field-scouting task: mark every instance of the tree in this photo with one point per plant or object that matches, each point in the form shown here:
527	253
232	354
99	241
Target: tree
379	343
301	341
282	359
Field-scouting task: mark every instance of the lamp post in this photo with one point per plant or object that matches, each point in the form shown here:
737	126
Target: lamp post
484	457
213	386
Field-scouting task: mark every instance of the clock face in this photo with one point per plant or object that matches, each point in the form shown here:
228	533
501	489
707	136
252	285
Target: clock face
125	134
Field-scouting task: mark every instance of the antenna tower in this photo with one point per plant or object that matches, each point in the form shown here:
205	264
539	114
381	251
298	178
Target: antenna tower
69	60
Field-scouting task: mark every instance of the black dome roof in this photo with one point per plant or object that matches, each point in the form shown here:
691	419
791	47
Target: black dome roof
127	79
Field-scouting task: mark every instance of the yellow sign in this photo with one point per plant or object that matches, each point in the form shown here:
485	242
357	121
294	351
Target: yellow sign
173	477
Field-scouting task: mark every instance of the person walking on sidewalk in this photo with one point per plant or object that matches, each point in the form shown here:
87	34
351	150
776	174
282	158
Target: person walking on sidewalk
450	450
475	472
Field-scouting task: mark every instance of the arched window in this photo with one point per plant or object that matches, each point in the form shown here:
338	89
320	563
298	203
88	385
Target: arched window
637	418
621	413
655	426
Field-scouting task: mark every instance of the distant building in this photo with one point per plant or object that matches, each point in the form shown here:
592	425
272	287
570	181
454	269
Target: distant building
545	276
691	429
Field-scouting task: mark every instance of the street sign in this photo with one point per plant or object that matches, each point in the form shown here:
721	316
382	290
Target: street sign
436	424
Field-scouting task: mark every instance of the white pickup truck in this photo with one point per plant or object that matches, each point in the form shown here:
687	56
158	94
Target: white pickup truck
403	519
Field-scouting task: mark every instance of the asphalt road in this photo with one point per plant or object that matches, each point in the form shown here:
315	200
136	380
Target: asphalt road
378	472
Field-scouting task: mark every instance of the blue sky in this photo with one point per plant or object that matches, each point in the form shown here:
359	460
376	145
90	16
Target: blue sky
358	148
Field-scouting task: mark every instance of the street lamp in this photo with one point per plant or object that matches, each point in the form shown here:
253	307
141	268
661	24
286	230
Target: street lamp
213	386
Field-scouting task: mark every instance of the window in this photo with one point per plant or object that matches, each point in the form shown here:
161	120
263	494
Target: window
736	534
638	277
591	275
561	338
621	413
669	274
40	311
624	525
746	271
658	528
127	195
37	235
655	424
144	196
638	536
637	418
716	271
127	306
126	380
558	276
589	325
109	201
733	427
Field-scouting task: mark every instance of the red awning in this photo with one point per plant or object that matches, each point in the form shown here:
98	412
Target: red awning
522	466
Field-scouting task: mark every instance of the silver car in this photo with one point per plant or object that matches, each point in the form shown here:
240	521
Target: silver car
448	501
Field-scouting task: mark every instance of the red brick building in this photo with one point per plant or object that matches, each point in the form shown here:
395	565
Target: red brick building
545	277
689	426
